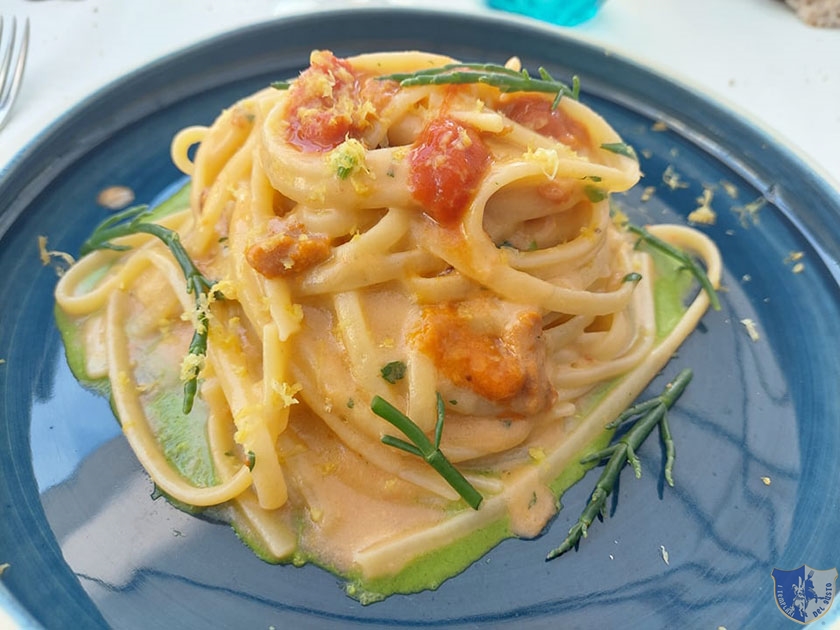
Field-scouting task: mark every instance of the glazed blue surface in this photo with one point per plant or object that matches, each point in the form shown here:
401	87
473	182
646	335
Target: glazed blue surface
88	547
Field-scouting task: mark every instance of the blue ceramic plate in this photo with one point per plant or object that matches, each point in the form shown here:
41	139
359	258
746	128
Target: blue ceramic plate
757	432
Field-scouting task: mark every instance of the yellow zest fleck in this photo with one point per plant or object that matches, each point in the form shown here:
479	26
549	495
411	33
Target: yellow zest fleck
191	317
245	420
388	342
240	370
647	193
238	192
191	365
704	213
347	158
729	188
548	159
123	379
225	287
286	392
316	514
536	453
202	308
321	82
748	214
295	311
619	218
359	187
752	331
47	256
328	468
317	194
164	326
233	324
42	250
766	481
659	126
672	179
795	257
587	231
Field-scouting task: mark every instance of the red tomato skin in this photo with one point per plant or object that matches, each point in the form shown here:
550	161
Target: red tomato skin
536	113
447	163
329	102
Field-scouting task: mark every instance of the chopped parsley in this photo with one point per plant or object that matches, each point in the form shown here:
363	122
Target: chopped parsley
621	149
393	371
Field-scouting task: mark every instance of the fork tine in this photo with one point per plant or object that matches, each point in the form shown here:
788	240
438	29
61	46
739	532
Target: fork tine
7	58
8	96
21	60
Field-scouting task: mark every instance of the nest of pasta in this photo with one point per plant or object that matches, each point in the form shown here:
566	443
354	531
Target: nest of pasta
442	243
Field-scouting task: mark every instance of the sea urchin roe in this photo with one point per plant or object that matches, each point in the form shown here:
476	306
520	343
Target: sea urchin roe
288	248
448	162
496	352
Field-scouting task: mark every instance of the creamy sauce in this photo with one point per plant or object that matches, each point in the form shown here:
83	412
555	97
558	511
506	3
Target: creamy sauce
340	485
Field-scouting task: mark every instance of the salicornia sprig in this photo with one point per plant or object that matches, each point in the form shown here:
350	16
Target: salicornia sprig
422	446
506	79
646	416
133	221
680	256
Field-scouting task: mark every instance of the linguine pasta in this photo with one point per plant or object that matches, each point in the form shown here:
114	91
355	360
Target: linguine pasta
372	239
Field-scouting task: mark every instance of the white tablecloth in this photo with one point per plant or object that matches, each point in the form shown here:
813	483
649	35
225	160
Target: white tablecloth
755	56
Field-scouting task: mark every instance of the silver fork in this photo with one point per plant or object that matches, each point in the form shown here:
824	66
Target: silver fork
11	67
